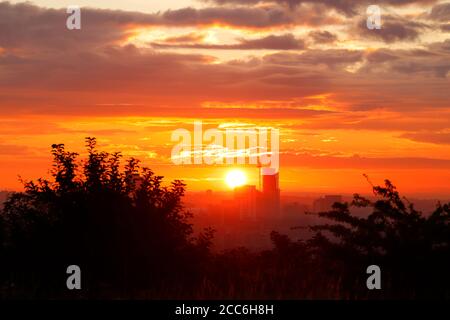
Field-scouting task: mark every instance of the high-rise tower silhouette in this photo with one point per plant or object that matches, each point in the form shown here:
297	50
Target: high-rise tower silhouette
270	191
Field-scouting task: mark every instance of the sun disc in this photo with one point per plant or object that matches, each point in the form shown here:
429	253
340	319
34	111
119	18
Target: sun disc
235	178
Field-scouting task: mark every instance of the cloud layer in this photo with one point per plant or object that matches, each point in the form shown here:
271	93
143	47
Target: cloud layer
309	66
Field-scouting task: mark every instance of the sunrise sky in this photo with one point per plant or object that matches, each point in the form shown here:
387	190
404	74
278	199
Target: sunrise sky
347	100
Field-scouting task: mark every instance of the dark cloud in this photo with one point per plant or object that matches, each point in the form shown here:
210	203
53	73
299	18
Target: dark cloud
381	56
56	71
427	63
321	37
440	47
441	12
348	7
246	17
27	25
147	81
239	17
282	42
438	67
428	137
331	58
393	29
388	55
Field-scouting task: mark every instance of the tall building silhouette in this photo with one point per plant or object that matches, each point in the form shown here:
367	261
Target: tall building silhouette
245	198
270	191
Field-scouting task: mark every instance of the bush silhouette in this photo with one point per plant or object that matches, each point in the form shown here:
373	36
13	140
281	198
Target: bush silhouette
124	229
412	249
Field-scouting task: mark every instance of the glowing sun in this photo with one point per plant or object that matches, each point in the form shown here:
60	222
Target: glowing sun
235	178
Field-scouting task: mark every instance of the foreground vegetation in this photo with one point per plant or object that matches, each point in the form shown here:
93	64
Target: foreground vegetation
133	239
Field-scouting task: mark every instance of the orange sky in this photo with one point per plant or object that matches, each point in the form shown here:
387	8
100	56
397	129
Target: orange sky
347	100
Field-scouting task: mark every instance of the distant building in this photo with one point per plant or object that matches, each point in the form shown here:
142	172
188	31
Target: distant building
270	191
245	198
294	210
326	203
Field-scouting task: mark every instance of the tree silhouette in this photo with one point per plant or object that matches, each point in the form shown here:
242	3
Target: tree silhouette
121	226
412	249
